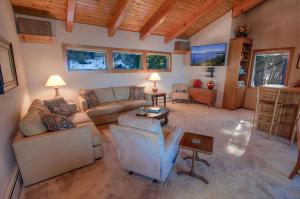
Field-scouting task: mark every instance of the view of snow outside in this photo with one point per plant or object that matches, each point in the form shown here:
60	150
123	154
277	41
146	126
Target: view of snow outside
86	60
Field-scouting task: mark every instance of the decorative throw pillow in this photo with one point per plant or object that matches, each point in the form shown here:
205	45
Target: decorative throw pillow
137	93
59	106
54	122
90	98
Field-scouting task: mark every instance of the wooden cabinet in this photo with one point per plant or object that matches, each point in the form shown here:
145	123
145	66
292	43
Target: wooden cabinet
204	96
237	71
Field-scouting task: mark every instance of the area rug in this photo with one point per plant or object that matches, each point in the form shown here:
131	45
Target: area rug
242	165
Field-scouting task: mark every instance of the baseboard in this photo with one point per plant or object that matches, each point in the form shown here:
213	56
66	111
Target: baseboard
14	186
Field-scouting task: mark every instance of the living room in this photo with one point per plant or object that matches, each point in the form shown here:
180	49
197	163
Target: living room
106	153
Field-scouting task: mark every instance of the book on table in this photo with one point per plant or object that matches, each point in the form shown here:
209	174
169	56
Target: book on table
153	110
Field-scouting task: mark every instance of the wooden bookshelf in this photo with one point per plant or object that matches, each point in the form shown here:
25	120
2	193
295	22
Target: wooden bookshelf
237	70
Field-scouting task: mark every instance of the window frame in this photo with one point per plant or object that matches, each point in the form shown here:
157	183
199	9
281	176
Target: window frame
109	59
67	47
169	55
289	50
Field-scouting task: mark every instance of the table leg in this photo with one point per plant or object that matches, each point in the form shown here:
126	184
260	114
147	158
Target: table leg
156	100
198	159
192	173
165	101
152	100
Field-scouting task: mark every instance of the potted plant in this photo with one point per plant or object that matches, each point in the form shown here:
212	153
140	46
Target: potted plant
242	31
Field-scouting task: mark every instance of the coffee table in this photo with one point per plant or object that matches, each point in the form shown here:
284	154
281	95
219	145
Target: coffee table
197	144
162	115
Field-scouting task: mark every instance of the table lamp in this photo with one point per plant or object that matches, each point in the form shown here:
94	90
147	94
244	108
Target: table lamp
55	81
154	77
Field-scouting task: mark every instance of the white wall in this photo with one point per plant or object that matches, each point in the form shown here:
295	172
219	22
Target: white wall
216	32
44	60
13	103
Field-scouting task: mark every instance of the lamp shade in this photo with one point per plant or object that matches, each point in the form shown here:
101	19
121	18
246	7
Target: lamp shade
154	77
55	81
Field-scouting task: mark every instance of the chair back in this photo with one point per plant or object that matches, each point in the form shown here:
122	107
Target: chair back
180	88
266	94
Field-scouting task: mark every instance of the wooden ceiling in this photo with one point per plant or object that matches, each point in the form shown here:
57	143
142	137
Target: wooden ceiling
169	18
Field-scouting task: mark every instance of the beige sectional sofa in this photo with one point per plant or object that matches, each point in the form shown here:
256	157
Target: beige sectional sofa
42	155
113	102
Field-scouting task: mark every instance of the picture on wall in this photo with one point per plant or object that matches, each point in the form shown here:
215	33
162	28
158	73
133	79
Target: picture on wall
7	63
1	82
208	55
157	61
127	60
83	59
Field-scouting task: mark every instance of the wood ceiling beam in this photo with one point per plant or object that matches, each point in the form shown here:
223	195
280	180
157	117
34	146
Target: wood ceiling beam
206	7
157	18
119	16
245	6
70	14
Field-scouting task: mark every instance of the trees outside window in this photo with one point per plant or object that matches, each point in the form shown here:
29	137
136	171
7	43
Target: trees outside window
270	68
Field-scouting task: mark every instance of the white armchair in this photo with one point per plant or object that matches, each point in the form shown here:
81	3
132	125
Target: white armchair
180	93
144	148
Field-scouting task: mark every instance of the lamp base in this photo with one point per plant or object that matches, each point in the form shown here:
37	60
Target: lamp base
56	92
154	90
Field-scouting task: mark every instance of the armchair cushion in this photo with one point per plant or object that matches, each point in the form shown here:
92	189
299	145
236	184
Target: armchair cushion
146	124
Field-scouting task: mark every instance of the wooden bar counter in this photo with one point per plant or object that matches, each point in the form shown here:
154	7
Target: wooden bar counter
291	110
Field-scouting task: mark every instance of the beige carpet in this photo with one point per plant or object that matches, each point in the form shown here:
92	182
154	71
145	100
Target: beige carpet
241	167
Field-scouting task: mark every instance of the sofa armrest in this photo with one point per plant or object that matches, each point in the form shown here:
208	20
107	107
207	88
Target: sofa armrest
50	154
82	104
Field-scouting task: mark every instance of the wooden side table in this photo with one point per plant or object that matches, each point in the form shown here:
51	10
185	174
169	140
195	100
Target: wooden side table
203	95
197	144
155	96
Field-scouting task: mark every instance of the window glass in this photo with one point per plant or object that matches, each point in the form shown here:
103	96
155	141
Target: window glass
86	60
158	61
270	68
127	60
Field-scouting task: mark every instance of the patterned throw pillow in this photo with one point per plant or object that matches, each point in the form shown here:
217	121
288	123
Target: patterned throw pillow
54	122
59	106
90	98
137	93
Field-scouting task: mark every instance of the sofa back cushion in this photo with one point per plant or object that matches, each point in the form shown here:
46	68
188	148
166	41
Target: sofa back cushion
122	93
105	95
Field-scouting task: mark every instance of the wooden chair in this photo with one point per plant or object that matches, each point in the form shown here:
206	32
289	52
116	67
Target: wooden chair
297	166
295	126
268	109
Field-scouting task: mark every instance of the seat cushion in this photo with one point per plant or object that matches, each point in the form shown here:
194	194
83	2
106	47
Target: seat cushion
105	109
96	135
122	93
105	95
79	118
134	104
180	95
